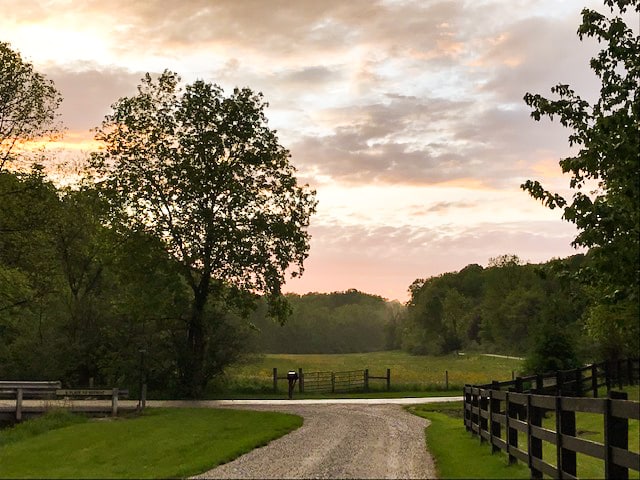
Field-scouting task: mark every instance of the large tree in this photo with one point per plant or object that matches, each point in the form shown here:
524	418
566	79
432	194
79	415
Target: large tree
204	173
28	104
605	173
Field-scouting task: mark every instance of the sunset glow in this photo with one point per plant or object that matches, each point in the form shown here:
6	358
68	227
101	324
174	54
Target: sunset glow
406	116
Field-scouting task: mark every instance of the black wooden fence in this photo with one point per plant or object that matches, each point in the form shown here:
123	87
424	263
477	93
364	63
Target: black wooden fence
497	412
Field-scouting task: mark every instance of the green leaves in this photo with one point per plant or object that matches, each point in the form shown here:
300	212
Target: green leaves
608	217
28	104
203	173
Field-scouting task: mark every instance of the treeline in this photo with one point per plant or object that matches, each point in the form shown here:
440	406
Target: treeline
541	311
83	298
338	322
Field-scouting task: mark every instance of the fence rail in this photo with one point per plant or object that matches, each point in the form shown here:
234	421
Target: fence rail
499	411
46	393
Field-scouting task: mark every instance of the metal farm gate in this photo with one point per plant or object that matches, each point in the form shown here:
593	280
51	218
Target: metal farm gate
331	382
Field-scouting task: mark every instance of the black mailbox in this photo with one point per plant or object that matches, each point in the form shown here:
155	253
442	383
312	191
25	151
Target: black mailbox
292	376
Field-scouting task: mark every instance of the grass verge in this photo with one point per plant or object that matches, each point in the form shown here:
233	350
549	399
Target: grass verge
457	454
161	443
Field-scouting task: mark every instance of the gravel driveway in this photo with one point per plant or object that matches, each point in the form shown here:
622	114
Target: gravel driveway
339	441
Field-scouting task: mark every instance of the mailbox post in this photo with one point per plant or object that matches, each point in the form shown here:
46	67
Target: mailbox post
292	376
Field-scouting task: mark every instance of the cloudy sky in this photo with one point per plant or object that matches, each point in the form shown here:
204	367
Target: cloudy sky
406	116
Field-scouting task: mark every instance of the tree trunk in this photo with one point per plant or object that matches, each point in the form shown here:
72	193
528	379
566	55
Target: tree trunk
192	367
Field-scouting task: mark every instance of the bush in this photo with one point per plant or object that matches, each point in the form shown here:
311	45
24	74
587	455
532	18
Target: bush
553	350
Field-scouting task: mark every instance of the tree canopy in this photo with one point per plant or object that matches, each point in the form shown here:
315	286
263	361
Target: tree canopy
607	215
28	104
205	174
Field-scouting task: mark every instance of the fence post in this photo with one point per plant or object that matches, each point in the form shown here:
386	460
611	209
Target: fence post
474	405
483	403
388	379
333	382
19	396
275	380
578	386
594	379
446	379
494	407
619	374
539	384
607	375
300	380
534	447
143	400
565	425
114	402
616	434
366	379
467	402
630	371
512	434
521	408
559	382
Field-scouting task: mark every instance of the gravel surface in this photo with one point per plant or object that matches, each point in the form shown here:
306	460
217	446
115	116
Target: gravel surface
339	441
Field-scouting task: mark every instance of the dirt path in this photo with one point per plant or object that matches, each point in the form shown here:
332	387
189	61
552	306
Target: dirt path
339	441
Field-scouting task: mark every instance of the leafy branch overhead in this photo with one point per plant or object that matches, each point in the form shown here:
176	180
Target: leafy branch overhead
607	134
605	174
28	104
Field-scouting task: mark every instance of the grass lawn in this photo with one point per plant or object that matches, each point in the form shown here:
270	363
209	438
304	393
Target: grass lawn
456	452
409	373
591	427
159	444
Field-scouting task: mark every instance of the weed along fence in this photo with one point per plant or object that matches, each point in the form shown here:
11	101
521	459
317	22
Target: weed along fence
333	382
498	412
28	399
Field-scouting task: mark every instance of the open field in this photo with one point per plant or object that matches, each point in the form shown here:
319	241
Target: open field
159	444
408	372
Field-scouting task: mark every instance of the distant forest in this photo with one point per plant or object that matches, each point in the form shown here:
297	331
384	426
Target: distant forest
509	307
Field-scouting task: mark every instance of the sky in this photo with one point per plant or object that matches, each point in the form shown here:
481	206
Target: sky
407	117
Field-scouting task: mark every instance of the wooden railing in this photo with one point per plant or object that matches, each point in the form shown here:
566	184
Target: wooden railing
47	391
499	411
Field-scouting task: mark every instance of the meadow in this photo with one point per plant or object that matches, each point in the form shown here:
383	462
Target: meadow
409	373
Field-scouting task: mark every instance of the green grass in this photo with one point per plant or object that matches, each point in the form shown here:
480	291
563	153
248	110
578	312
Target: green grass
590	427
52	420
408	373
159	444
456	452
